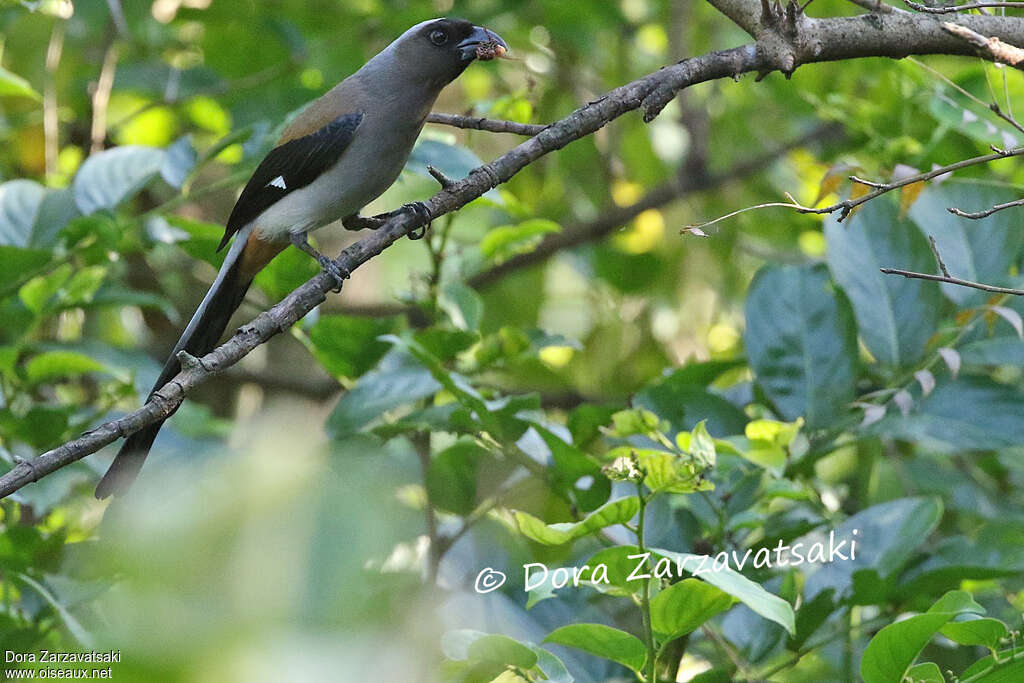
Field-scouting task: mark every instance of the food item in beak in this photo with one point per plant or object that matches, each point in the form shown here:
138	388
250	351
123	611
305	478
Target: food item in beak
490	50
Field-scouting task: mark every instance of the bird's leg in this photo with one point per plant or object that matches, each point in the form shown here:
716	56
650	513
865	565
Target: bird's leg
357	222
300	240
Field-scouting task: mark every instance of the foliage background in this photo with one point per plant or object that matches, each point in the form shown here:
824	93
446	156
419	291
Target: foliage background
279	528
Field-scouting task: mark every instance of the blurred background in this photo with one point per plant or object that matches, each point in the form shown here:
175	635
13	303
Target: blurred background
280	530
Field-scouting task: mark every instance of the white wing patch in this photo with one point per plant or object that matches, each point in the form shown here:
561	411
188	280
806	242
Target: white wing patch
278	182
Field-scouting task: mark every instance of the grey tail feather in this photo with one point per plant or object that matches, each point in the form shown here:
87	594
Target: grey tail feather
199	338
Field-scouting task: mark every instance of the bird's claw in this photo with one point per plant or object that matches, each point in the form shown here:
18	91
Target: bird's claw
419	209
334	271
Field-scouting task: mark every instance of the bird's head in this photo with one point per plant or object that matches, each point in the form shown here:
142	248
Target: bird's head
439	50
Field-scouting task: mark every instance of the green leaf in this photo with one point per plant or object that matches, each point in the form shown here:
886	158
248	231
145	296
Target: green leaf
617	511
13	85
702	446
887	537
398	380
681	399
83	285
926	673
73	626
19	206
109	178
889	655
769	606
451	479
16	264
603	641
979	250
347	346
634	421
985	670
506	241
968	414
502	650
37	292
463	305
56	364
684	606
995	351
802	343
55	212
663	471
982	631
179	162
896	316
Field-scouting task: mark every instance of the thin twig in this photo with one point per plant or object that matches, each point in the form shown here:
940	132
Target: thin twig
954	281
490	125
992	106
960	8
938	256
975	215
846	206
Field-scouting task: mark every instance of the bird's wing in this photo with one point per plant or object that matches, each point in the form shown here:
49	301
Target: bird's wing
289	167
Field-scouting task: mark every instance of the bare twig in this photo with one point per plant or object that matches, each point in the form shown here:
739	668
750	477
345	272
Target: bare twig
846	206
490	125
992	106
999	51
975	215
938	256
953	281
894	35
960	8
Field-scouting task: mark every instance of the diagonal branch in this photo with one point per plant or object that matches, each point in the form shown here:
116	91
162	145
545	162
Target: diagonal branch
816	40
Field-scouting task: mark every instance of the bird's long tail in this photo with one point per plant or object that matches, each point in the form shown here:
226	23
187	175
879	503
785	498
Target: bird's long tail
246	257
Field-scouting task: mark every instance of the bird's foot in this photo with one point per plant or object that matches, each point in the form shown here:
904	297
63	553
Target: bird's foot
420	210
329	266
357	222
333	270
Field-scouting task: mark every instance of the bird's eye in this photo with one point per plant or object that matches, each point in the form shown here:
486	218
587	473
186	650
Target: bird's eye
438	37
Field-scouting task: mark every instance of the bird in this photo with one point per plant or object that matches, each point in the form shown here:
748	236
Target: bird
339	154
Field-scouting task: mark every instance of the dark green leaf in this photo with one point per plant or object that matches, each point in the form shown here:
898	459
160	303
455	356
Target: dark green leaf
896	316
801	341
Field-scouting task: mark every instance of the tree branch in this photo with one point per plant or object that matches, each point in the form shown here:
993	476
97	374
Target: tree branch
806	40
490	125
960	8
953	281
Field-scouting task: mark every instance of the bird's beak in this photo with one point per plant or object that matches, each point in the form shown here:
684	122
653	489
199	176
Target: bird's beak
482	43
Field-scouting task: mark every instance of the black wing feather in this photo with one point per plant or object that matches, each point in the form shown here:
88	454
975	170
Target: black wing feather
299	162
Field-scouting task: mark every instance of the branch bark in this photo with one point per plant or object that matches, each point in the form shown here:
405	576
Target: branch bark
805	40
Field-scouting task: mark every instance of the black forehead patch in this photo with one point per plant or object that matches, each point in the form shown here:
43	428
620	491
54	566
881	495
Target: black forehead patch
457	28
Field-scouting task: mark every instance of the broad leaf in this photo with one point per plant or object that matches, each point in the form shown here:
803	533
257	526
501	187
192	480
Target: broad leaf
108	178
801	341
896	316
615	512
686	605
603	641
